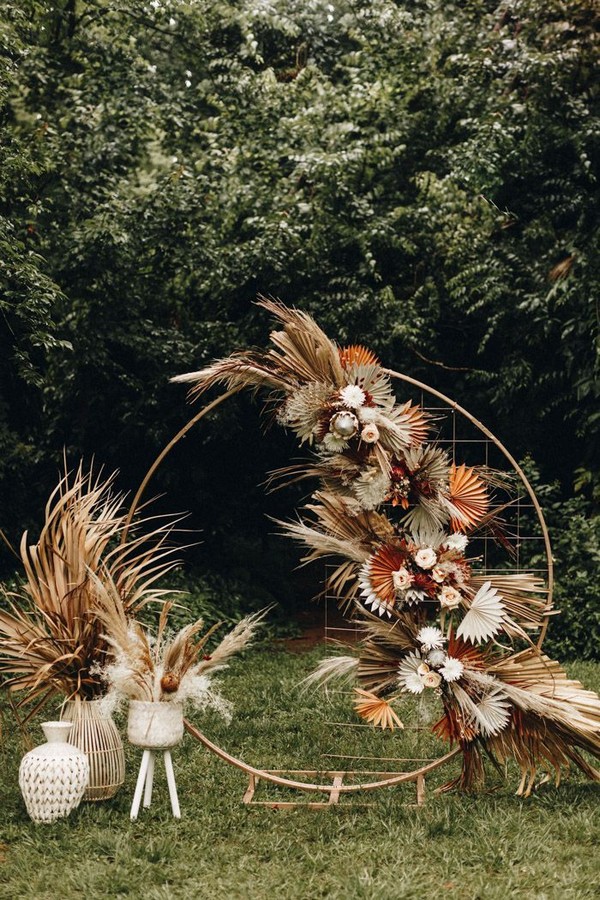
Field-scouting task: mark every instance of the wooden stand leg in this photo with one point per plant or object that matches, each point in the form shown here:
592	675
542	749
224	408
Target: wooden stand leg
139	787
149	779
420	790
171	783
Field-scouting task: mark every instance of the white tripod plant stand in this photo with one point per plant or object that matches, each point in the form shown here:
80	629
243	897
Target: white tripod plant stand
155	727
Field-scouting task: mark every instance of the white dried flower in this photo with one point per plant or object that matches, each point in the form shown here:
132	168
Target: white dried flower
431	638
452	669
368	414
425	557
353	396
456	541
436	658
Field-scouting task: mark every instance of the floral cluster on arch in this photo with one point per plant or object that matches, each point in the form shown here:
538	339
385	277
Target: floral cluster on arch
396	513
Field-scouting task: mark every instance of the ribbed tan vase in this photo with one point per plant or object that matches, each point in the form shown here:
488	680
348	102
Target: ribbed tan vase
96	734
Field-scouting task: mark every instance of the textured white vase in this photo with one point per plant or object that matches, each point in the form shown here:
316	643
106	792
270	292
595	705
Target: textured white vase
53	776
155	726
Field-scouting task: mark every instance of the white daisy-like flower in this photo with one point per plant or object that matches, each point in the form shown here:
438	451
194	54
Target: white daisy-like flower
367	414
431	638
425	557
408	676
452	669
456	541
436	658
449	597
353	396
333	443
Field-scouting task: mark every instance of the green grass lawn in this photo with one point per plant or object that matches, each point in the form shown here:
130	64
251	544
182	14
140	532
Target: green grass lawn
492	845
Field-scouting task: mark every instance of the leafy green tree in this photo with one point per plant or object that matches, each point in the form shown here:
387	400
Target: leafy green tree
421	176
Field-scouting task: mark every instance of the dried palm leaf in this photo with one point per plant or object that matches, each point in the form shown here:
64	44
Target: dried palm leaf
51	641
485	615
523	596
357	355
468	495
375	710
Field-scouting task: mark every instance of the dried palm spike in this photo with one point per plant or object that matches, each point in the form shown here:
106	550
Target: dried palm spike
467	492
357	355
376	711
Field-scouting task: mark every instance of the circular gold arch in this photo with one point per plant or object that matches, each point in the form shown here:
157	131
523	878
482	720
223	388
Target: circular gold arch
417	774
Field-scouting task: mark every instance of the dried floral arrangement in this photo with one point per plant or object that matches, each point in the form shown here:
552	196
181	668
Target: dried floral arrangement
165	667
51	640
396	514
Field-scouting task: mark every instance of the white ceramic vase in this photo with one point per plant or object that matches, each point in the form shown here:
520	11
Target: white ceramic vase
53	776
155	726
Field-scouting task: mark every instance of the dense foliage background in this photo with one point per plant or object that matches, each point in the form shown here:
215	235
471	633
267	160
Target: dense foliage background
423	176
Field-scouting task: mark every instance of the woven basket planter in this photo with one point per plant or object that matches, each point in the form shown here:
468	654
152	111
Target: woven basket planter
155	726
53	776
96	734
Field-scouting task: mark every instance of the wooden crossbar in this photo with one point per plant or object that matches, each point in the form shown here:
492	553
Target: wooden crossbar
337	781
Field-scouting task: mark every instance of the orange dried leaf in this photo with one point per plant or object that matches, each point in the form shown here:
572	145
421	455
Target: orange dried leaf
376	711
357	355
468	493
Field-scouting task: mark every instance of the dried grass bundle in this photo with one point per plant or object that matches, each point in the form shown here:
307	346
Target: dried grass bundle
166	667
50	638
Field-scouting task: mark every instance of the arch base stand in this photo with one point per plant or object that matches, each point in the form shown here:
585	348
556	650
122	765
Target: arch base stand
336	779
337	782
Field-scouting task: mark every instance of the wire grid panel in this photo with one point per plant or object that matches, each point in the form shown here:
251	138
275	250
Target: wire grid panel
516	543
354	743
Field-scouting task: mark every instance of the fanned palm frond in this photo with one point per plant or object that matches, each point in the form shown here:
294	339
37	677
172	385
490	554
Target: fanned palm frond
523	595
375	710
469	497
51	639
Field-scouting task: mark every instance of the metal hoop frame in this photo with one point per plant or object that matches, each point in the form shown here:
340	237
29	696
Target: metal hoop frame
416	775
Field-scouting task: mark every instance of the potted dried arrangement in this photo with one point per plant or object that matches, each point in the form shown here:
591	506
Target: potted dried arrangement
51	641
160	675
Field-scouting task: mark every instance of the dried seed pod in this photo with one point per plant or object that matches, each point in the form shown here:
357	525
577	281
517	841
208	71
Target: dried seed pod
169	683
